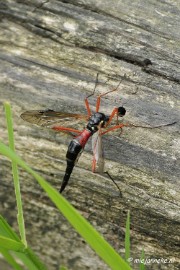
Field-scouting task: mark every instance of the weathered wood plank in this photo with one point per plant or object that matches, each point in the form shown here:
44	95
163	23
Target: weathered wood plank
50	53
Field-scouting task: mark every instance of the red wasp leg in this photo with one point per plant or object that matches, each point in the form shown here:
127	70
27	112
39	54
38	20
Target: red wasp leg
115	127
114	112
98	102
87	106
86	99
59	128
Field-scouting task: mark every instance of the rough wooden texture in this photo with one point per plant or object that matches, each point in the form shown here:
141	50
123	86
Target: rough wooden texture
50	53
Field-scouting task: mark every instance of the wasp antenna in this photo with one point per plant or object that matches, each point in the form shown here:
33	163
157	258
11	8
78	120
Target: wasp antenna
96	83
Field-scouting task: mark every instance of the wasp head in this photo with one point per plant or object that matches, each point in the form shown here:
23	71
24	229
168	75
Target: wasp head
121	111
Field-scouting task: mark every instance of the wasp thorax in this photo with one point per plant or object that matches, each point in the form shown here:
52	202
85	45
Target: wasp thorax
95	120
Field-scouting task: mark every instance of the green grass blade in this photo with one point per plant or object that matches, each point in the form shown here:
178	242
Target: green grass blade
28	261
127	238
142	265
10	244
9	258
20	217
25	254
6	230
92	237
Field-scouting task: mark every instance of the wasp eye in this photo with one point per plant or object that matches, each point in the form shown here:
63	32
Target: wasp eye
121	111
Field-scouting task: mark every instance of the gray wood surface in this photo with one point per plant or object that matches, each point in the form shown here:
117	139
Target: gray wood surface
50	53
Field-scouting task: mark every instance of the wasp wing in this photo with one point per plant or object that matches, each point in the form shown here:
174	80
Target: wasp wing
98	153
49	118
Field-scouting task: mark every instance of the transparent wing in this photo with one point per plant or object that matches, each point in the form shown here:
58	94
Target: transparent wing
98	153
50	119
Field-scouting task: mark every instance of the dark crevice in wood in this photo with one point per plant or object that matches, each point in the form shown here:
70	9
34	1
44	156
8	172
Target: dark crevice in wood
46	32
45	29
129	58
40	6
100	12
164	76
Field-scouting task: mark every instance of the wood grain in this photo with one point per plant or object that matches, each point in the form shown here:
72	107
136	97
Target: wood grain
50	53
